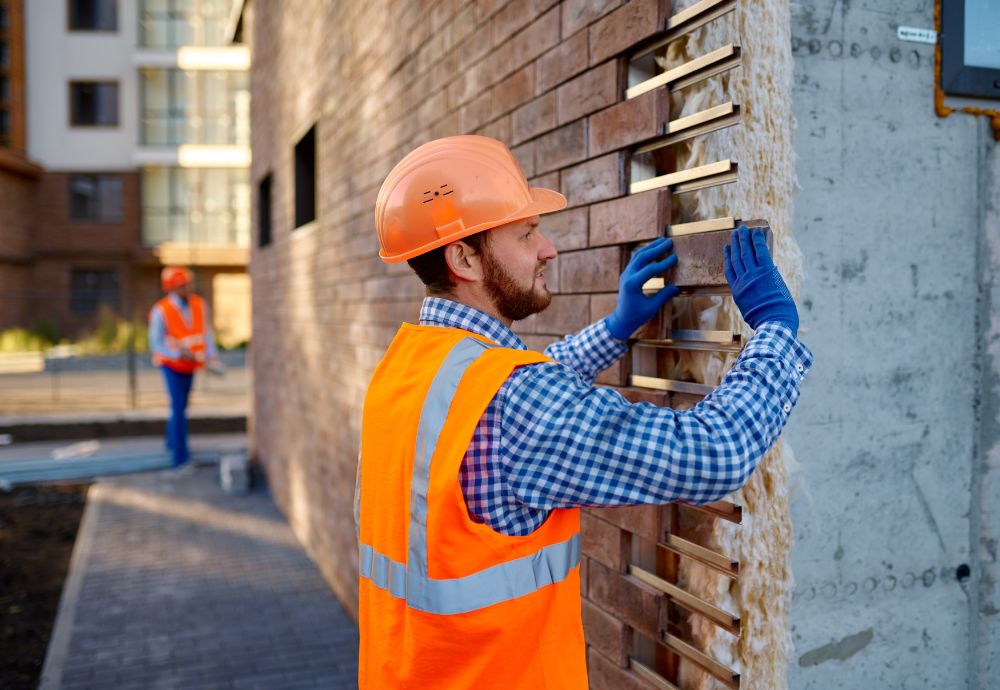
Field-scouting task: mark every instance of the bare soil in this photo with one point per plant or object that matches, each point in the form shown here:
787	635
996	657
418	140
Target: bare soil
38	526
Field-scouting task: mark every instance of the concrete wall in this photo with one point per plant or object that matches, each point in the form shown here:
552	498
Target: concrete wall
898	305
56	56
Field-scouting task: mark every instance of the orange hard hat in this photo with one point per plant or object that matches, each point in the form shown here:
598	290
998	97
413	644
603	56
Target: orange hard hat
451	188
173	277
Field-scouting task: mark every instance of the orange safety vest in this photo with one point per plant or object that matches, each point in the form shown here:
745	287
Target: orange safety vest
446	602
180	332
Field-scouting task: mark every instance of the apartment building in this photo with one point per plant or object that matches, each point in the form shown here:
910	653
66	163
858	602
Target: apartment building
136	116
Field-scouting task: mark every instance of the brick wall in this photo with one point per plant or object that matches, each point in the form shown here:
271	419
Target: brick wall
377	79
17	221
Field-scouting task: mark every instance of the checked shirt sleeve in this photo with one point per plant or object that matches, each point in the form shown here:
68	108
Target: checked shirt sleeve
565	443
589	352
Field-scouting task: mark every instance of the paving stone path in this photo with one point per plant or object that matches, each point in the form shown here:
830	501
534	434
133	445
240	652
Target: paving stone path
174	584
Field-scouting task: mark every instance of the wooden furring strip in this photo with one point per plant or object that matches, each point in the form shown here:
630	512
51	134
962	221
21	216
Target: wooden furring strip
681	229
713	181
669	385
724	674
683	176
723	619
650	676
721	509
692	72
706	557
686	21
704	122
698	345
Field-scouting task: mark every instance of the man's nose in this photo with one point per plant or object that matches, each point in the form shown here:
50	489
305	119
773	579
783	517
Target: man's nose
547	251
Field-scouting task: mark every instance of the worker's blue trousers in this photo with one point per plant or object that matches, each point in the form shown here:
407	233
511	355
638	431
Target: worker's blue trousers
178	388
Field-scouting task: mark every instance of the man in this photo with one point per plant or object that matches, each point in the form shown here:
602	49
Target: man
476	453
181	339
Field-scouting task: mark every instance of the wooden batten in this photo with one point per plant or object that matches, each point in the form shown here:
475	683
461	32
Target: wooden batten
708	65
704	122
685	599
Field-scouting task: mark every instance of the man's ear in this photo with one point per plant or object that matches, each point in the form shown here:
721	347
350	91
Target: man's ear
464	261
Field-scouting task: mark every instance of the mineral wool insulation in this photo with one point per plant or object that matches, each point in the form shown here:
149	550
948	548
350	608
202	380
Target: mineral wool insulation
762	145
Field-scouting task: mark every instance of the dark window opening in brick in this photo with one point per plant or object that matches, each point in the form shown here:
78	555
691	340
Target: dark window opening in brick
95	197
4	89
4	54
93	15
305	178
94	103
4	19
90	288
4	127
264	212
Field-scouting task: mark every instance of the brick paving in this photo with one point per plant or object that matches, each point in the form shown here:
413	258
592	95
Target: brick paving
175	584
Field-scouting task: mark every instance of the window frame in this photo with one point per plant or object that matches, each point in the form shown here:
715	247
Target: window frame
72	29
304	161
97	218
265	210
97	125
77	306
957	78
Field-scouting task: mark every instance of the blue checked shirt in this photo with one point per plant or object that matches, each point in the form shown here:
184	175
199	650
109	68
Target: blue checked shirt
551	439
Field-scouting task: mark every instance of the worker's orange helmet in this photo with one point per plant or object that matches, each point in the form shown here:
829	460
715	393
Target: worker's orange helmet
451	188
173	277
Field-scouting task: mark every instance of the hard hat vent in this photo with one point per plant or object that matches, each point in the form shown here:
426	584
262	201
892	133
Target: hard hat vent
430	194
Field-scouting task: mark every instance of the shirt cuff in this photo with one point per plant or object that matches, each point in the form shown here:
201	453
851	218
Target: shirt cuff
602	348
774	340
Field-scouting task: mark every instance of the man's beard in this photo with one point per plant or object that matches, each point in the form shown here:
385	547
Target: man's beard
513	301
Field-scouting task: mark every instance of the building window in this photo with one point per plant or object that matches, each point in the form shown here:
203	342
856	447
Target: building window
96	198
175	23
305	178
194	107
90	288
264	212
93	103
970	52
195	206
4	89
4	54
93	15
4	19
4	127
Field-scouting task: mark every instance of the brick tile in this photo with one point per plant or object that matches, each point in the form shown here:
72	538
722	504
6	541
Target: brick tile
641	520
475	113
561	147
514	16
537	38
516	89
498	129
487	8
592	90
475	47
525	156
595	180
626	598
629	122
602	304
566	229
535	117
591	270
606	633
606	675
627	26
579	13
603	541
615	375
562	62
632	218
567	314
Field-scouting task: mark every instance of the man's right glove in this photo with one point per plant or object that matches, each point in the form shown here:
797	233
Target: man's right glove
758	289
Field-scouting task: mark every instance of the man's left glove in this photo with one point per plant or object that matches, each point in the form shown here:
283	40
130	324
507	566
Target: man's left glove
635	308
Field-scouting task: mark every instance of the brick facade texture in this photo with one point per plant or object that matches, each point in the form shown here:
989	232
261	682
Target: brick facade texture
16	225
377	79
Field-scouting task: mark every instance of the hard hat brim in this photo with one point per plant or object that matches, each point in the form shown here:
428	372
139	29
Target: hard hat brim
543	201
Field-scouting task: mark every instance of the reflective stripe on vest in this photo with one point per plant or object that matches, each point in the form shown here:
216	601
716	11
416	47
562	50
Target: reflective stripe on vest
498	583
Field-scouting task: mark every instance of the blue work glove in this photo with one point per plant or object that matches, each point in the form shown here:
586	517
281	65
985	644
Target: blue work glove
635	308
758	289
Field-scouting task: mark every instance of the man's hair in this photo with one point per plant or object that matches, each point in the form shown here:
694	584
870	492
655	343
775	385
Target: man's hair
432	269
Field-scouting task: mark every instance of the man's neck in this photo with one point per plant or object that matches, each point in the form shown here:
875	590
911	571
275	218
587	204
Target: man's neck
477	300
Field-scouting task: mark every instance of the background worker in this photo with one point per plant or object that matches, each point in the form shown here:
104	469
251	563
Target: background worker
182	342
476	453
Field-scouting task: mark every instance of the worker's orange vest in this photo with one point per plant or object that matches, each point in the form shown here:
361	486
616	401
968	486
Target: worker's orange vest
447	602
180	332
